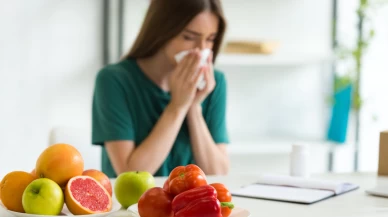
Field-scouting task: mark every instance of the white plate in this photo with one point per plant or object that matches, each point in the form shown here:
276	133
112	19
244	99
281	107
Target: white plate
65	212
116	212
236	212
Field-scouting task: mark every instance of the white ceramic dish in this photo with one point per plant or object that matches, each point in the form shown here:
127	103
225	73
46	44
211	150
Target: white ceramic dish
237	212
65	212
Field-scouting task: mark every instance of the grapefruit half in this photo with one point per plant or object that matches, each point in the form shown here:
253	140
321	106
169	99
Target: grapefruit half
85	195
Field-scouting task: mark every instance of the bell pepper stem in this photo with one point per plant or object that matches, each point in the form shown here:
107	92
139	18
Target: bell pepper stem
227	204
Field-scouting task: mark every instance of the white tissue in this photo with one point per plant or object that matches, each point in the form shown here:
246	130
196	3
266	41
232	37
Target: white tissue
204	55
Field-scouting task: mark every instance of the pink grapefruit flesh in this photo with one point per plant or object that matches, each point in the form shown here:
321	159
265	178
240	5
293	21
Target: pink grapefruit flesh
85	195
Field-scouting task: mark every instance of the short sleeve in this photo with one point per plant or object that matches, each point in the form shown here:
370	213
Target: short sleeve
216	111
111	119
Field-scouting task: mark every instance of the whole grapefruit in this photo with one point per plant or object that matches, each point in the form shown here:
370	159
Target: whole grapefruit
84	195
101	178
59	162
12	188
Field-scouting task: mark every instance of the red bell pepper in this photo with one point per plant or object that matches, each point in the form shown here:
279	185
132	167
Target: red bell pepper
183	178
198	202
207	207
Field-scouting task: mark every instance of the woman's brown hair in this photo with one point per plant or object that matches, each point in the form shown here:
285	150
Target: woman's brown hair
165	19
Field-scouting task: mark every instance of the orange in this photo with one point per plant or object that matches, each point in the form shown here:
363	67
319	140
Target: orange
59	162
12	188
101	178
85	195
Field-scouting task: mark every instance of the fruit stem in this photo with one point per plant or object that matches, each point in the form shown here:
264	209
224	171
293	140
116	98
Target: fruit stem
227	204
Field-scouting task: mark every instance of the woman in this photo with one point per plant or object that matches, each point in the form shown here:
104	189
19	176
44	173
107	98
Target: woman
148	114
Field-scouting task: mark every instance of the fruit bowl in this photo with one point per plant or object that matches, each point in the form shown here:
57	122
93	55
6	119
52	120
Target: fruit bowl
237	212
65	212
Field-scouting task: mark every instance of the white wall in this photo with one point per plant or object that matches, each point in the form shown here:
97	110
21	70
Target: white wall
50	53
280	100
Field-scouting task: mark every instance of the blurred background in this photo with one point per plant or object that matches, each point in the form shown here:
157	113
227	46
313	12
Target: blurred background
298	71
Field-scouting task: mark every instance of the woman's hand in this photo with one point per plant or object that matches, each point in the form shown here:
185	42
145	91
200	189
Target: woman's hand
183	81
208	73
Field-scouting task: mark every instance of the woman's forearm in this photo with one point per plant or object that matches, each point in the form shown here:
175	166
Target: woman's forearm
207	154
152	152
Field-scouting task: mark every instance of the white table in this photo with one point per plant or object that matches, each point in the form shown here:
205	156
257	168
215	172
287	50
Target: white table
353	204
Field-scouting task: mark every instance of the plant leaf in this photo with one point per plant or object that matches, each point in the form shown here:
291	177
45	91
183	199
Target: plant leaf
371	33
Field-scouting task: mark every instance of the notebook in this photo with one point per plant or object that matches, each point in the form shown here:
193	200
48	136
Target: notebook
293	189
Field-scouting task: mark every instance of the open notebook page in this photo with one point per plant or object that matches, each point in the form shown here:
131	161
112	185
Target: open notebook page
281	193
309	183
293	189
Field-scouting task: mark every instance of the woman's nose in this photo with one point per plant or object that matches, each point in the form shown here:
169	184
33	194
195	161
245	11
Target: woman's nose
202	44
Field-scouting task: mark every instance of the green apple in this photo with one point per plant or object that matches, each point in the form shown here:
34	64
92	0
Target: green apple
130	186
43	197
